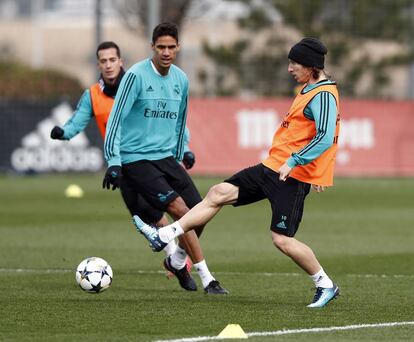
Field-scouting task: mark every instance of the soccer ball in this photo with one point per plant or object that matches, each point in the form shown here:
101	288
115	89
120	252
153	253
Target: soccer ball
94	275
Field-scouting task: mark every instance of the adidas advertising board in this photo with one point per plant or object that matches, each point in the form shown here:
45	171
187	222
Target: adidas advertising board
26	145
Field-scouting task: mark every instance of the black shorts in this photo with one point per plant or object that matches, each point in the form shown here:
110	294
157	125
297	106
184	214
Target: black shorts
286	198
159	182
137	205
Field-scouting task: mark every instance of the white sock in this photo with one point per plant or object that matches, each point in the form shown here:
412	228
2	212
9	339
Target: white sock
204	273
178	258
170	232
170	248
321	279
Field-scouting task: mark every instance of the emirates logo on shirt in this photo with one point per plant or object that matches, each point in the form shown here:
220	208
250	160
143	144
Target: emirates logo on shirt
160	114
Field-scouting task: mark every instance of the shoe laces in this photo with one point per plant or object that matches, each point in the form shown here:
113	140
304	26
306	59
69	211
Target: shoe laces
318	294
214	283
183	272
149	231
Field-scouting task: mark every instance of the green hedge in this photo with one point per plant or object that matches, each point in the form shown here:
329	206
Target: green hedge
18	82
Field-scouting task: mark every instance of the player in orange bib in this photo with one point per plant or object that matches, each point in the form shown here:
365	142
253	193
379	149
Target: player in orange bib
302	156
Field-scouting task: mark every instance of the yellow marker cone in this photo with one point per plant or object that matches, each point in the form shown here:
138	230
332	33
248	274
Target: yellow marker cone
74	191
232	331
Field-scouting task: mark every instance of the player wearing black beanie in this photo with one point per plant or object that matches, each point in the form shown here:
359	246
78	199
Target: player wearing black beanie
309	52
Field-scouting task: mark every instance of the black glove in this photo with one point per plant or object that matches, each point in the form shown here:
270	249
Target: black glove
57	133
112	176
188	160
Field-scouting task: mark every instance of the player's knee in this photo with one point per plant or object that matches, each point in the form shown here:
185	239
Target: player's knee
281	242
221	194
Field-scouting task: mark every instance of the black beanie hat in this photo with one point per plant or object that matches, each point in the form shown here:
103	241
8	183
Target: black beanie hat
309	52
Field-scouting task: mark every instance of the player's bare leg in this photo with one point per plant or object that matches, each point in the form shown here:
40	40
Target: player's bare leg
189	245
198	216
218	196
300	253
189	242
305	258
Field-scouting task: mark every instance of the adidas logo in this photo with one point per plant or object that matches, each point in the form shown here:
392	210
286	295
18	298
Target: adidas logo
39	153
281	225
164	197
150	88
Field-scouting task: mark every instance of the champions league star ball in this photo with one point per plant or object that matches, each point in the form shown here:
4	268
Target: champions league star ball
94	275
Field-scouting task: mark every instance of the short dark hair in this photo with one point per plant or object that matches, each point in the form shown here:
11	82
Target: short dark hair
165	29
108	45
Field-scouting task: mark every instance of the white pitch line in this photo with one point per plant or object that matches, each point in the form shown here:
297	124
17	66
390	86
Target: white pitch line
296	331
260	274
34	270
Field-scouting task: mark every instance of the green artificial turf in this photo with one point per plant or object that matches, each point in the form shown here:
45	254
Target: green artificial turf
362	231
